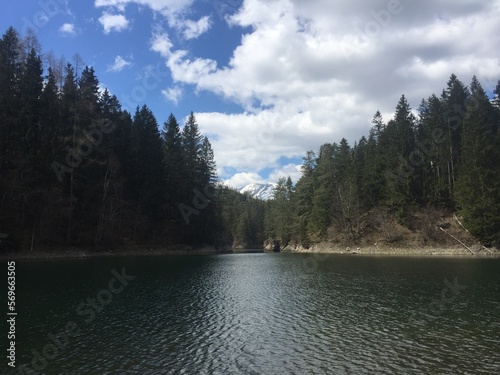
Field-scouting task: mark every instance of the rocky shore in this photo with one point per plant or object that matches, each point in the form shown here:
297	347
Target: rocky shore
320	248
459	251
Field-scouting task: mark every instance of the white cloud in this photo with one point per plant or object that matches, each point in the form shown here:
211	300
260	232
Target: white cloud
193	29
68	28
119	64
113	22
313	72
173	94
244	178
156	5
160	42
290	170
172	10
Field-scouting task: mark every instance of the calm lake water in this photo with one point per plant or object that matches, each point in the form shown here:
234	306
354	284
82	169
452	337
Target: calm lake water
259	314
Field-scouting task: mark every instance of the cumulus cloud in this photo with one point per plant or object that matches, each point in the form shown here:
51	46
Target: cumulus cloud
113	22
172	10
68	29
313	72
119	64
290	170
242	179
165	6
160	42
193	29
173	94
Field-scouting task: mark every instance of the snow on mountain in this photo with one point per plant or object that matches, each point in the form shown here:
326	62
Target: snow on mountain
259	191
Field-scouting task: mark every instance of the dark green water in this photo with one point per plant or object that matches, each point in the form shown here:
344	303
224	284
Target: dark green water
259	314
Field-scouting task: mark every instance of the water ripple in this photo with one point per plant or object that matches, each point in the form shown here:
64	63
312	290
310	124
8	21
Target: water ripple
267	314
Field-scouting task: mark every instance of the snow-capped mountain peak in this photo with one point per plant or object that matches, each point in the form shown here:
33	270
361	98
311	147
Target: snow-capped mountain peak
259	191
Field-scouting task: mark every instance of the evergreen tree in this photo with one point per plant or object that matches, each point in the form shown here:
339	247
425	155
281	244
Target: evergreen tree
49	115
324	190
280	224
10	71
455	99
496	98
478	187
191	142
303	198
174	162
399	138
207	160
149	171
375	164
434	173
378	126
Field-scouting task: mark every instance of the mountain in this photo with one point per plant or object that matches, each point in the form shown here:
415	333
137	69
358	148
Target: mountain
259	191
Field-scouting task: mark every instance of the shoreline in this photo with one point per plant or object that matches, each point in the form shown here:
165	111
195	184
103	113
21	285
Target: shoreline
419	251
73	252
77	252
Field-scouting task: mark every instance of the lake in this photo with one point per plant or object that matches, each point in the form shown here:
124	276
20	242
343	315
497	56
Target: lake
258	314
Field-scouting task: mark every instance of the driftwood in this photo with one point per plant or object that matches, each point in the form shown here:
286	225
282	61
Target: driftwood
459	223
456	239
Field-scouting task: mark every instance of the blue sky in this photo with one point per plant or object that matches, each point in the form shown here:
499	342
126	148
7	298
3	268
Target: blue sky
270	79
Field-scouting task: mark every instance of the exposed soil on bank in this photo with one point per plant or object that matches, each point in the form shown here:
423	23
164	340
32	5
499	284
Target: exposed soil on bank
456	251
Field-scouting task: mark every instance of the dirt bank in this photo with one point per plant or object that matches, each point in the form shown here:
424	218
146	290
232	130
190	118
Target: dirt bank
325	247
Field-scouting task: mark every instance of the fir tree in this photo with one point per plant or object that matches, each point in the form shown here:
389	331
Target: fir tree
478	187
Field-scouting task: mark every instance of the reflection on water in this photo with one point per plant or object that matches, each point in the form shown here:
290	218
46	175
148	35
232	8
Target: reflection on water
266	314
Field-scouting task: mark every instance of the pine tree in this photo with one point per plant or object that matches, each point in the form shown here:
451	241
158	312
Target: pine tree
280	224
478	187
455	98
496	98
27	147
378	126
10	71
303	198
174	167
324	190
375	163
149	168
191	143
207	159
49	113
399	139
434	175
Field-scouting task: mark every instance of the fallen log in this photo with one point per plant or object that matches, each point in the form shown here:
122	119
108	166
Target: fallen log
456	239
464	228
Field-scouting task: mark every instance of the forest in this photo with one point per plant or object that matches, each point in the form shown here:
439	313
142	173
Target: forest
406	177
76	168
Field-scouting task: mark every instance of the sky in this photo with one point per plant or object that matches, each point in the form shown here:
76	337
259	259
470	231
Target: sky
269	80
